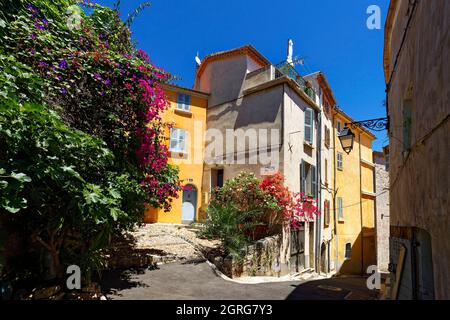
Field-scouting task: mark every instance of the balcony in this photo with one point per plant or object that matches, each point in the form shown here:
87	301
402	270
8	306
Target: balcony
285	69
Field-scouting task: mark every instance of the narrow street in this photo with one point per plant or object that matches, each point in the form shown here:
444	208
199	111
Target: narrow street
197	281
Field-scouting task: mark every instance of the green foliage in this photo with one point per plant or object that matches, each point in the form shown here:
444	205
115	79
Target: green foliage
80	140
231	225
62	182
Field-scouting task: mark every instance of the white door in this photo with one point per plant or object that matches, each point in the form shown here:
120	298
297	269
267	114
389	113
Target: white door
189	205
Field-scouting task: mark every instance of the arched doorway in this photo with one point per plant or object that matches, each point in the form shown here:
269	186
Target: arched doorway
323	258
189	204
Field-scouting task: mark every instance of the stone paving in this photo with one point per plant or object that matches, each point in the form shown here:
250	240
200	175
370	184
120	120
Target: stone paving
175	240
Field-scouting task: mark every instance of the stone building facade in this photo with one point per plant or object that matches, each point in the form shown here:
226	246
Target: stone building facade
381	179
417	73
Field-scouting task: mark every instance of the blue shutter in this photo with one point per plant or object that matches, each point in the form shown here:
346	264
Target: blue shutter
313	182
309	125
302	177
187	102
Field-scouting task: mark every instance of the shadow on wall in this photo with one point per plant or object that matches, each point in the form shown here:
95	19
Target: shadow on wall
353	265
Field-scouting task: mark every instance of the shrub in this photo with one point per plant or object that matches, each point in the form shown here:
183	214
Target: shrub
81	136
231	225
246	209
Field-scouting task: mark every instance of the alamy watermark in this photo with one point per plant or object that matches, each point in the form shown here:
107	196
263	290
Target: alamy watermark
374	280
374	20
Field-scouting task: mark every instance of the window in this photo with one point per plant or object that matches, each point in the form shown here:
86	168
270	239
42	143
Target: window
326	210
340	209
340	161
184	102
326	172
309	125
348	250
308	179
338	126
327	137
177	140
407	125
216	178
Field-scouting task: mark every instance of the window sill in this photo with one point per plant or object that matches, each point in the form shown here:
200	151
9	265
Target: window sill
179	153
341	220
183	112
306	143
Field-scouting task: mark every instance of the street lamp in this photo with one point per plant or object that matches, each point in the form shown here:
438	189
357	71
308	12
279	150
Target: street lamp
346	136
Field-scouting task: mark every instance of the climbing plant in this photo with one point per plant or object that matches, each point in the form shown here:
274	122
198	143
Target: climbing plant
81	136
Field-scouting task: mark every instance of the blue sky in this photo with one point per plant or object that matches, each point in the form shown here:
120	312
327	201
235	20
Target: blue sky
331	35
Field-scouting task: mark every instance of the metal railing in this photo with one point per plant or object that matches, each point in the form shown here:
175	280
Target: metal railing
286	69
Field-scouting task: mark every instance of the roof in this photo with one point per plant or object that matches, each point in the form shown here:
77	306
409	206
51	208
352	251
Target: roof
184	89
323	82
280	81
244	50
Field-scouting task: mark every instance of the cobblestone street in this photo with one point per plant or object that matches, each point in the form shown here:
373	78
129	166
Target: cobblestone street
189	276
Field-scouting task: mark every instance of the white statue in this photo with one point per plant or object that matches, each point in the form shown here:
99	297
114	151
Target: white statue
290	51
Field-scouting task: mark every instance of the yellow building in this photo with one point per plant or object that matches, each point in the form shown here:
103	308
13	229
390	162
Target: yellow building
354	243
187	114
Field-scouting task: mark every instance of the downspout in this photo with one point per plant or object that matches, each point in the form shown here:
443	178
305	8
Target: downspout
333	194
319	190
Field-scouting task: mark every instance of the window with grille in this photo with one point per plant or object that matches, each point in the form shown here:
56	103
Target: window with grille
177	140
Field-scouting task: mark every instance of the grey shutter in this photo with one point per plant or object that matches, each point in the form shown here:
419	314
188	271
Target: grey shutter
302	177
308	125
313	182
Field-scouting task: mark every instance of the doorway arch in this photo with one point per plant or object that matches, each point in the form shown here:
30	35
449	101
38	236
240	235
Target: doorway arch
189	204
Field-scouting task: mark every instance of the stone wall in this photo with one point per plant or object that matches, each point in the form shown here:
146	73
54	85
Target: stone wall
419	170
382	210
262	259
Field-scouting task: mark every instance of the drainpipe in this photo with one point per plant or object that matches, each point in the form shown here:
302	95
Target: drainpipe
336	261
360	206
319	190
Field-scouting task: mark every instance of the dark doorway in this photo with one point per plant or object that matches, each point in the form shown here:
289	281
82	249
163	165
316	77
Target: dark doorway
216	178
297	260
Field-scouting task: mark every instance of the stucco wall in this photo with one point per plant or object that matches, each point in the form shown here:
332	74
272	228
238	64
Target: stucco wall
348	185
191	164
420	179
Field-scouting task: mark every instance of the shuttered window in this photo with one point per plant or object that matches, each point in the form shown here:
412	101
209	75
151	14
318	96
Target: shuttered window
314	182
309	125
327	137
326	209
340	209
340	161
184	102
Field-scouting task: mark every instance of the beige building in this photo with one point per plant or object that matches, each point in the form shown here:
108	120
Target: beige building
252	100
417	72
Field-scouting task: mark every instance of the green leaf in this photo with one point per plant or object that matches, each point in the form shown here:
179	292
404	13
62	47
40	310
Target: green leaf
22	177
